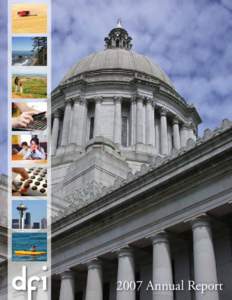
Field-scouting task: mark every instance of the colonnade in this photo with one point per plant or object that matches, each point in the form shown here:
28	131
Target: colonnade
162	272
142	117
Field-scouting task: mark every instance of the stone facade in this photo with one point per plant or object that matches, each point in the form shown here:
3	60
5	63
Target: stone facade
137	195
119	102
168	222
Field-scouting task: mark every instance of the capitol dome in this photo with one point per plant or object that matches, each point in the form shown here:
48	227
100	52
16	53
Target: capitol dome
120	98
118	59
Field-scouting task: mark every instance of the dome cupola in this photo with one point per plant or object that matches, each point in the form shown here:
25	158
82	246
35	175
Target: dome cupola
118	38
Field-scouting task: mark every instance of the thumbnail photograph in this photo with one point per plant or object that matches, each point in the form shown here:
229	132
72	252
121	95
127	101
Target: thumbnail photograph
29	147
29	181
29	18
29	83
29	214
29	116
29	246
29	51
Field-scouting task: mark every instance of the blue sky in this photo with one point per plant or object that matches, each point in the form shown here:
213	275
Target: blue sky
22	43
191	40
37	208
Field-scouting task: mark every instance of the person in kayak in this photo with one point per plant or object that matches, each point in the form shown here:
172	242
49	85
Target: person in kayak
33	248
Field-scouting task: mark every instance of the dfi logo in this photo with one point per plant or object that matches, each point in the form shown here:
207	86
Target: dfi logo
23	283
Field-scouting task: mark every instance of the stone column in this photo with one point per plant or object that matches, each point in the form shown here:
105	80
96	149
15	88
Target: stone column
133	120
163	131
78	121
139	120
97	121
66	124
67	290
204	257
126	272
176	133
76	115
150	123
118	120
162	266
55	131
84	136
191	132
94	287
184	135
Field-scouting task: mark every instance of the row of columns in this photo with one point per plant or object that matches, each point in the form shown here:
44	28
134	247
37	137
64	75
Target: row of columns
75	118
204	268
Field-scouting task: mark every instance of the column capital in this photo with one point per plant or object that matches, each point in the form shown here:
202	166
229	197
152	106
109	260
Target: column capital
95	263
117	99
163	111
57	114
133	99
140	98
200	221
160	237
126	251
192	126
78	99
149	100
68	274
188	125
175	120
98	99
68	101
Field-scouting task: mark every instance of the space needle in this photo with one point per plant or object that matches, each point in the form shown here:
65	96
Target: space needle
21	208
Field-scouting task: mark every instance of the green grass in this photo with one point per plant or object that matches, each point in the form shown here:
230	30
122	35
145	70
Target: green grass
32	88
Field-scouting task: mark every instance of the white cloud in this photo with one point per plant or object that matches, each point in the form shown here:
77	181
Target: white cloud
191	40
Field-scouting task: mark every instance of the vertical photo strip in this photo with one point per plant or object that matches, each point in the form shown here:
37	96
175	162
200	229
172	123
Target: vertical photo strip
29	76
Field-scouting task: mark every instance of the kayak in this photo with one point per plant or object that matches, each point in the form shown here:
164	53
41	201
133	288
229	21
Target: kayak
28	252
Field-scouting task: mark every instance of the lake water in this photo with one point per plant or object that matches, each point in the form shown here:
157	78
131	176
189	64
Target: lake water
24	241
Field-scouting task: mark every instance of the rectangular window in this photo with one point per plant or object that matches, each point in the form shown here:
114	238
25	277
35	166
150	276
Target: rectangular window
60	133
91	128
124	131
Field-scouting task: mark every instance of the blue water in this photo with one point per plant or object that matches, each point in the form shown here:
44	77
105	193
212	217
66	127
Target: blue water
24	241
21	53
22	58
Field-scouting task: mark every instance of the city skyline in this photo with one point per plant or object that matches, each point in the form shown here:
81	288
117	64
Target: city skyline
36	208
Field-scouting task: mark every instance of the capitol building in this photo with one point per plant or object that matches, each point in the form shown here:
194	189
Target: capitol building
139	199
137	195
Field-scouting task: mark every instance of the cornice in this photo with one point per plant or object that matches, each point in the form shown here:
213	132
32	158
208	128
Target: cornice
136	78
188	157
